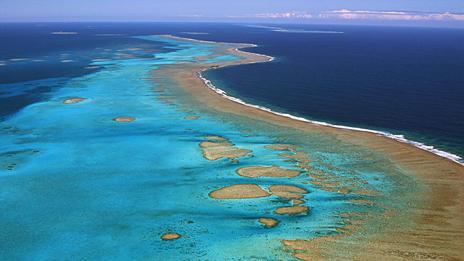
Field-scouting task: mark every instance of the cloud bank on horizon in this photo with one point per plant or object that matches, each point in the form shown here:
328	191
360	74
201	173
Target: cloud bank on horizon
346	14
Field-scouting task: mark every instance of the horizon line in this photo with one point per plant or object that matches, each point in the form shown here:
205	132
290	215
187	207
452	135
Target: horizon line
423	24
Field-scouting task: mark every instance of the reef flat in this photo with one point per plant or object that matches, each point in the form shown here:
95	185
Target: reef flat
239	192
215	148
267	171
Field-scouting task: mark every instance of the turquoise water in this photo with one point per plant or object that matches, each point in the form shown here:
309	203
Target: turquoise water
77	185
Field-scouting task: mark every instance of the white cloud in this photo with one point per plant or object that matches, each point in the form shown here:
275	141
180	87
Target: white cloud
367	15
292	14
391	15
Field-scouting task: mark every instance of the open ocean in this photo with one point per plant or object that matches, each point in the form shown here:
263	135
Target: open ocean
74	183
405	81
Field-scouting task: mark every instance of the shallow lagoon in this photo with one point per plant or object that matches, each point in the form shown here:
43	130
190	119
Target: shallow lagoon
78	185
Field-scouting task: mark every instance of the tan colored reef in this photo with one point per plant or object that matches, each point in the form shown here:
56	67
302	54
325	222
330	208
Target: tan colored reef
124	119
215	138
293	210
267	171
268	222
191	117
281	147
287	191
216	147
242	191
73	100
170	236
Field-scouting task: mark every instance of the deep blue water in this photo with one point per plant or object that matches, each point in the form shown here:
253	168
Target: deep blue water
403	80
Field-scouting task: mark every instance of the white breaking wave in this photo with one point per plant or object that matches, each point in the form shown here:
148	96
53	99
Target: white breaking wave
399	138
18	59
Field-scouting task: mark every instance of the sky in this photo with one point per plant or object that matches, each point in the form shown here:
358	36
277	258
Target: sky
319	11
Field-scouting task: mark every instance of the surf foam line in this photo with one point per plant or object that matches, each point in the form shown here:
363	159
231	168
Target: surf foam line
399	138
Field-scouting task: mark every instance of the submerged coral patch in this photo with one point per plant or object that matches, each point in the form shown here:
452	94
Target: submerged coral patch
170	236
73	100
281	147
268	222
124	119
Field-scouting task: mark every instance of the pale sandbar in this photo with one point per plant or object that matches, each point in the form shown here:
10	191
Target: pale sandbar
287	191
217	147
124	119
268	222
241	191
267	171
73	100
170	236
294	210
